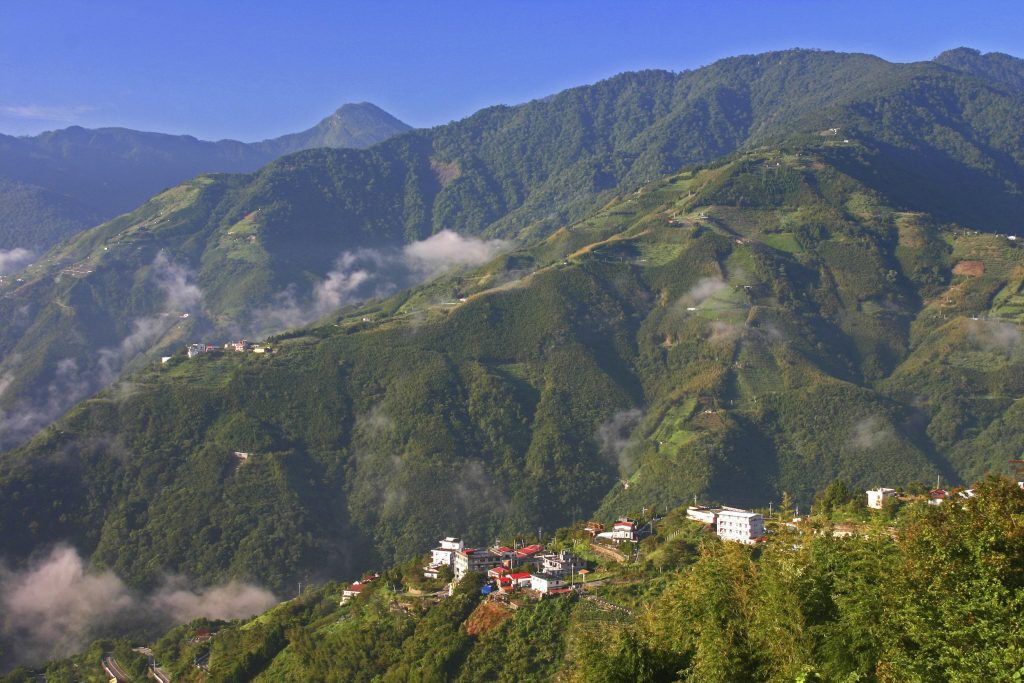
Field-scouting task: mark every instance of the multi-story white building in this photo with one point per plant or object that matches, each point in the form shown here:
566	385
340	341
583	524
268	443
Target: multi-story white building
443	556
624	530
472	560
877	497
445	550
740	525
698	513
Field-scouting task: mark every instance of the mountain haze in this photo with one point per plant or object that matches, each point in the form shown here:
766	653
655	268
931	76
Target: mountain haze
931	137
734	282
59	182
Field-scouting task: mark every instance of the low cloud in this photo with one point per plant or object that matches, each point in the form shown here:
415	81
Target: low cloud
13	260
71	383
705	288
446	249
363	274
175	280
473	483
615	438
232	600
7	378
375	420
870	432
725	333
56	606
66	113
994	335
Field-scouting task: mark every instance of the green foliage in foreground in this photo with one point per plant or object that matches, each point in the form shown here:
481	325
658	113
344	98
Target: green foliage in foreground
939	595
940	602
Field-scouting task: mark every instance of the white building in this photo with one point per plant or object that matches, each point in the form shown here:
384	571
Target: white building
877	497
445	550
699	513
740	525
545	583
624	530
558	564
472	560
443	556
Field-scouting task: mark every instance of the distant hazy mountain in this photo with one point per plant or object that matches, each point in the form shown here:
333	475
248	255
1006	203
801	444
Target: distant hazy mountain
59	182
354	125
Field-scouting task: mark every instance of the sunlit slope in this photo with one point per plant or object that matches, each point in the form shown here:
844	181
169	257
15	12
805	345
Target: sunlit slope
761	326
942	138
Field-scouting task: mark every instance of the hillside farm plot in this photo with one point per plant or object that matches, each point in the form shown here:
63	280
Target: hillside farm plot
783	241
671	433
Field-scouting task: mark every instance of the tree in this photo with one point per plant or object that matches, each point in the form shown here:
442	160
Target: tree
786	507
835	495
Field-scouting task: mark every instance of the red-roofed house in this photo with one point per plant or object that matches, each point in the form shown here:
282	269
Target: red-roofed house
357	588
520	579
624	530
351	592
529	551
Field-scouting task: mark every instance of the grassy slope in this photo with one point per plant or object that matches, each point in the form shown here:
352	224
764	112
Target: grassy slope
799	363
934	138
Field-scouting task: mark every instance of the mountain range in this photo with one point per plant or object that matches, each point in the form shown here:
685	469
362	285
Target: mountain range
57	183
735	282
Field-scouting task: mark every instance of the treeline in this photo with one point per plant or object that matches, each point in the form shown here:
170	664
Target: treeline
937	598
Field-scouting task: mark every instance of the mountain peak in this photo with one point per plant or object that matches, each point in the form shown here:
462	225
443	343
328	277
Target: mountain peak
355	124
996	68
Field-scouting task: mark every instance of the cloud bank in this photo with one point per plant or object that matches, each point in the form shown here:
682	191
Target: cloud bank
13	260
363	274
71	383
615	438
55	607
42	112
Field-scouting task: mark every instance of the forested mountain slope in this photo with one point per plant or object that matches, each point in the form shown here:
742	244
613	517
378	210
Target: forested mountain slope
762	325
280	247
57	183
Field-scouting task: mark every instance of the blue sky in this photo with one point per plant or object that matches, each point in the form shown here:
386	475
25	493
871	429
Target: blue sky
257	69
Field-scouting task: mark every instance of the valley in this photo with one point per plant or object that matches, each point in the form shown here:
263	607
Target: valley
765	283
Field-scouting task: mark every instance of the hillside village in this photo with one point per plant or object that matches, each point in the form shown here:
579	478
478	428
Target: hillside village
539	572
240	346
601	575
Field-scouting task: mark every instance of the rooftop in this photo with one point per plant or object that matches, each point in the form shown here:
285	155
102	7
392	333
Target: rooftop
742	514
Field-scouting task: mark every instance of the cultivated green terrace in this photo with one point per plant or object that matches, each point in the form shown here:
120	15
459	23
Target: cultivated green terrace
760	326
940	137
